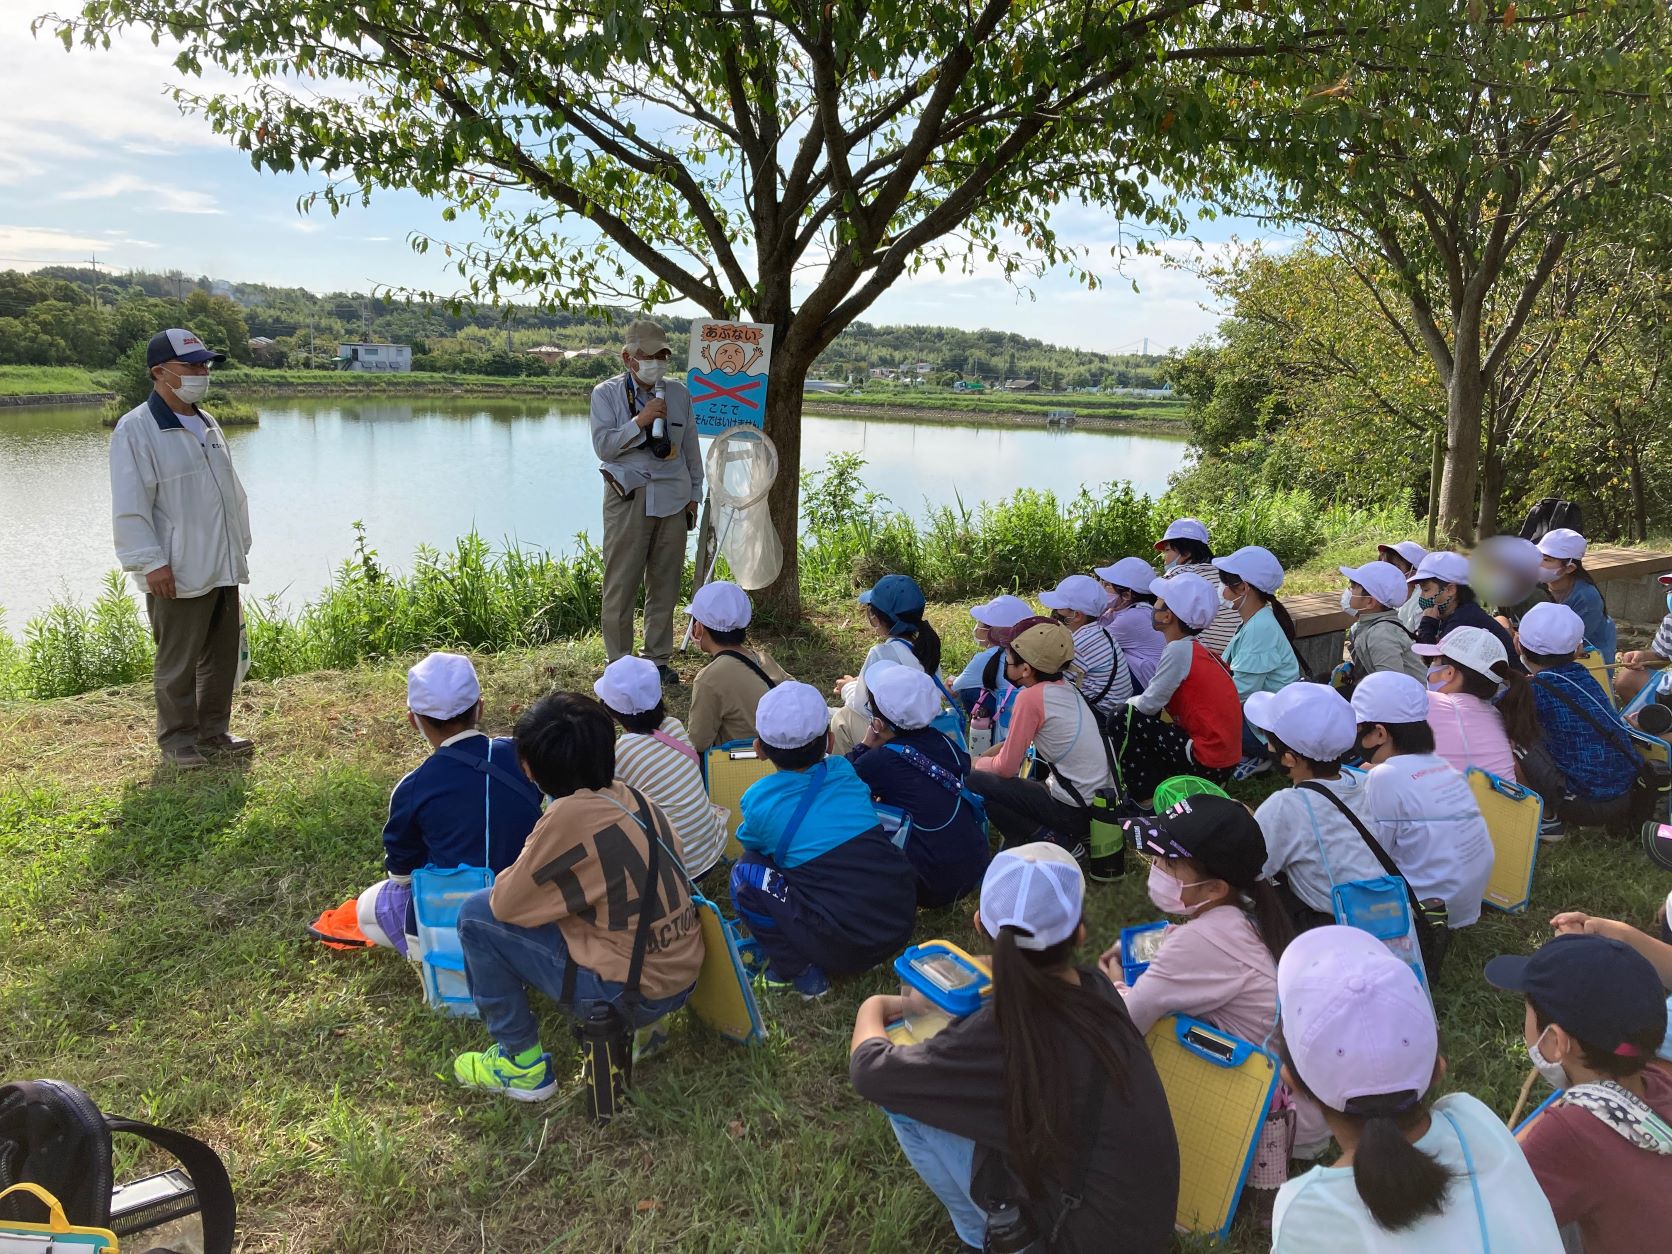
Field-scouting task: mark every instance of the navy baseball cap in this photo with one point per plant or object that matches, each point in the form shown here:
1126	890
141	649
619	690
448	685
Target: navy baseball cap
894	596
1217	833
179	344
1600	990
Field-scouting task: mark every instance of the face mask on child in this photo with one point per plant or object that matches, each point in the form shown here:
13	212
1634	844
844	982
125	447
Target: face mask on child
1435	683
1551	1072
1347	606
1168	894
1426	603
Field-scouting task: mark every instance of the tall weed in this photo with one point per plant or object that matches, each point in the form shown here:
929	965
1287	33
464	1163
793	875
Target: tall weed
74	647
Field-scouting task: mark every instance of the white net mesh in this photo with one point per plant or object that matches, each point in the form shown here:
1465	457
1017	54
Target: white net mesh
742	463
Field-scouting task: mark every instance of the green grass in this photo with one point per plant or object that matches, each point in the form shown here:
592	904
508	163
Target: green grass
152	950
51	380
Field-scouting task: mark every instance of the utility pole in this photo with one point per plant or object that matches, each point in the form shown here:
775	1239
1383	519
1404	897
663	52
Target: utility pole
1146	346
95	261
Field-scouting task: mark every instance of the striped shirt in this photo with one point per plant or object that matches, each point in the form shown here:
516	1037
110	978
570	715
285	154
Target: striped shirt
671	779
1099	669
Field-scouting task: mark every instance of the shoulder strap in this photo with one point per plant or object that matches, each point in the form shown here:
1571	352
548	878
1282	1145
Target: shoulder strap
815	778
1606	731
917	758
1388	865
676	744
647	898
751	664
1091	1119
485	764
1114	667
214	1188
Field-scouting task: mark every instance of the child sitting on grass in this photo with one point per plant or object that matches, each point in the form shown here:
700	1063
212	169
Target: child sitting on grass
564	918
467	804
1595	1014
1416	1175
1658	950
725	692
909	765
823	889
655	756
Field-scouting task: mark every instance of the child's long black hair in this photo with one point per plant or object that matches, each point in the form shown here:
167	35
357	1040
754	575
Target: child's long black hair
1037	1011
917	632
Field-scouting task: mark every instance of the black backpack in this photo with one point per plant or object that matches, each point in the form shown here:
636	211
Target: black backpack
51	1134
1551	512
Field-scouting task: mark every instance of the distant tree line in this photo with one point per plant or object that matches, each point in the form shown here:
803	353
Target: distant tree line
69	315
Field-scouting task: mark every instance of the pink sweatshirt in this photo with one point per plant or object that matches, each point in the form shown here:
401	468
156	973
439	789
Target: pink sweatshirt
1470	732
1217	968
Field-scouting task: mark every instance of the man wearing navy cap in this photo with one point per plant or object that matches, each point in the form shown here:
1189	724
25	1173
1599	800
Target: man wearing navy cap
182	526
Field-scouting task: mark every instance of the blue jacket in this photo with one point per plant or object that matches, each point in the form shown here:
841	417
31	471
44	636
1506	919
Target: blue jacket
1596	770
1586	601
1468	614
948	845
847	876
446	812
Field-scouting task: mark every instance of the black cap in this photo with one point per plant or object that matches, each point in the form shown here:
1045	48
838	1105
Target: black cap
1600	990
179	344
1218	834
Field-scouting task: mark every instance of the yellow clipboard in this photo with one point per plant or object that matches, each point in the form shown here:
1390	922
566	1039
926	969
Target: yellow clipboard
728	770
1513	814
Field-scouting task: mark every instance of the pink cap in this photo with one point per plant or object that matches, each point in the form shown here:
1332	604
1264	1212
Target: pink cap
1355	1020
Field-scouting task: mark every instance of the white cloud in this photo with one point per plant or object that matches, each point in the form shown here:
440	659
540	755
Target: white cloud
27	246
148	194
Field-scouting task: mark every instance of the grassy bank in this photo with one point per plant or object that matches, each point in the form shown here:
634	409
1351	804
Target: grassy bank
152	950
477	597
52	381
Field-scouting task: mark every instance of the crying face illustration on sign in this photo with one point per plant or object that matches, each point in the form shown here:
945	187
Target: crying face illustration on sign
729	358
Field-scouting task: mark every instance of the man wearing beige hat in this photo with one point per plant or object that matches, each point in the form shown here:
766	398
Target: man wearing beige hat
646	441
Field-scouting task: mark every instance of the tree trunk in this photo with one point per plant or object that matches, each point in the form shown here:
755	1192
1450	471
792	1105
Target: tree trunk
790	364
1491	480
1639	500
1465	399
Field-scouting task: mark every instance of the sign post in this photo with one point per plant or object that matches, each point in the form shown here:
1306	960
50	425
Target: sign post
728	374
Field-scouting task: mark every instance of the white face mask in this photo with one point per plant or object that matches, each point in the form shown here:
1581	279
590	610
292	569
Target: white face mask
1550	1072
1347	606
191	388
650	372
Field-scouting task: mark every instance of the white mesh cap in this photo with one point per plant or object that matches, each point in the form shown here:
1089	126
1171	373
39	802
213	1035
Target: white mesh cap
1036	889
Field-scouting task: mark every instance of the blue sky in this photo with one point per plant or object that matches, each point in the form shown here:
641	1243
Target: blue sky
96	160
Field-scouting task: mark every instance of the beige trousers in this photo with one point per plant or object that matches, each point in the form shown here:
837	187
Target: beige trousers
196	666
640	552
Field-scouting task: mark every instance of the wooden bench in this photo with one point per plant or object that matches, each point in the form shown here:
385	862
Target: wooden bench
1630	585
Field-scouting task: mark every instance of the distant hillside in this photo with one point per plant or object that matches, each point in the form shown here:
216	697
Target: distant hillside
69	315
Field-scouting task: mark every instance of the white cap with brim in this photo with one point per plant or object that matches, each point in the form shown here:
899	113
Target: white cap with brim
791	715
442	686
1184	529
1446	567
1002	611
1253	565
1038	890
1129	572
1390	697
1356	1021
1410	550
1551	630
1381	580
721	606
629	685
1473	647
1190	597
1077	592
904	695
1312	719
1563	543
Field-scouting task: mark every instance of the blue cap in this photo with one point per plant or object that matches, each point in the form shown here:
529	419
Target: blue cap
894	597
1600	990
179	344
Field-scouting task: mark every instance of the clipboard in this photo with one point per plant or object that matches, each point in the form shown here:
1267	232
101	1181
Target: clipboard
723	998
1513	814
1219	1089
728	770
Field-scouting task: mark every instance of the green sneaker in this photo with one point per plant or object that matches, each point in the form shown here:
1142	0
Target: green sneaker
649	1041
494	1071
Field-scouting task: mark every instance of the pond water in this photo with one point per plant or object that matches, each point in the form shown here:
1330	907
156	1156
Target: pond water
424	470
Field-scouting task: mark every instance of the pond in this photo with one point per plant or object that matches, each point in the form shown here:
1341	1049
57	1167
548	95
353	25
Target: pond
423	470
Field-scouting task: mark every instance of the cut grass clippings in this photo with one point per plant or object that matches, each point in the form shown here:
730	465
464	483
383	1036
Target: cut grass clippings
152	950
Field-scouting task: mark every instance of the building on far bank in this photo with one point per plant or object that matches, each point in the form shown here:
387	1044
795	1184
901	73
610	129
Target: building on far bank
383	358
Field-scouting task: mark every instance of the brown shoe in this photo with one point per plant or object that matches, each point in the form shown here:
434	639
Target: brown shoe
224	746
186	758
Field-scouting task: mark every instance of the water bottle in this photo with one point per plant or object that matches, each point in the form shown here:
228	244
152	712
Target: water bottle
1657	843
659	444
1106	842
606	1060
1009	1231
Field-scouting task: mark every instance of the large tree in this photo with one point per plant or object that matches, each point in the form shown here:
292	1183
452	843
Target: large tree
786	160
1468	147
